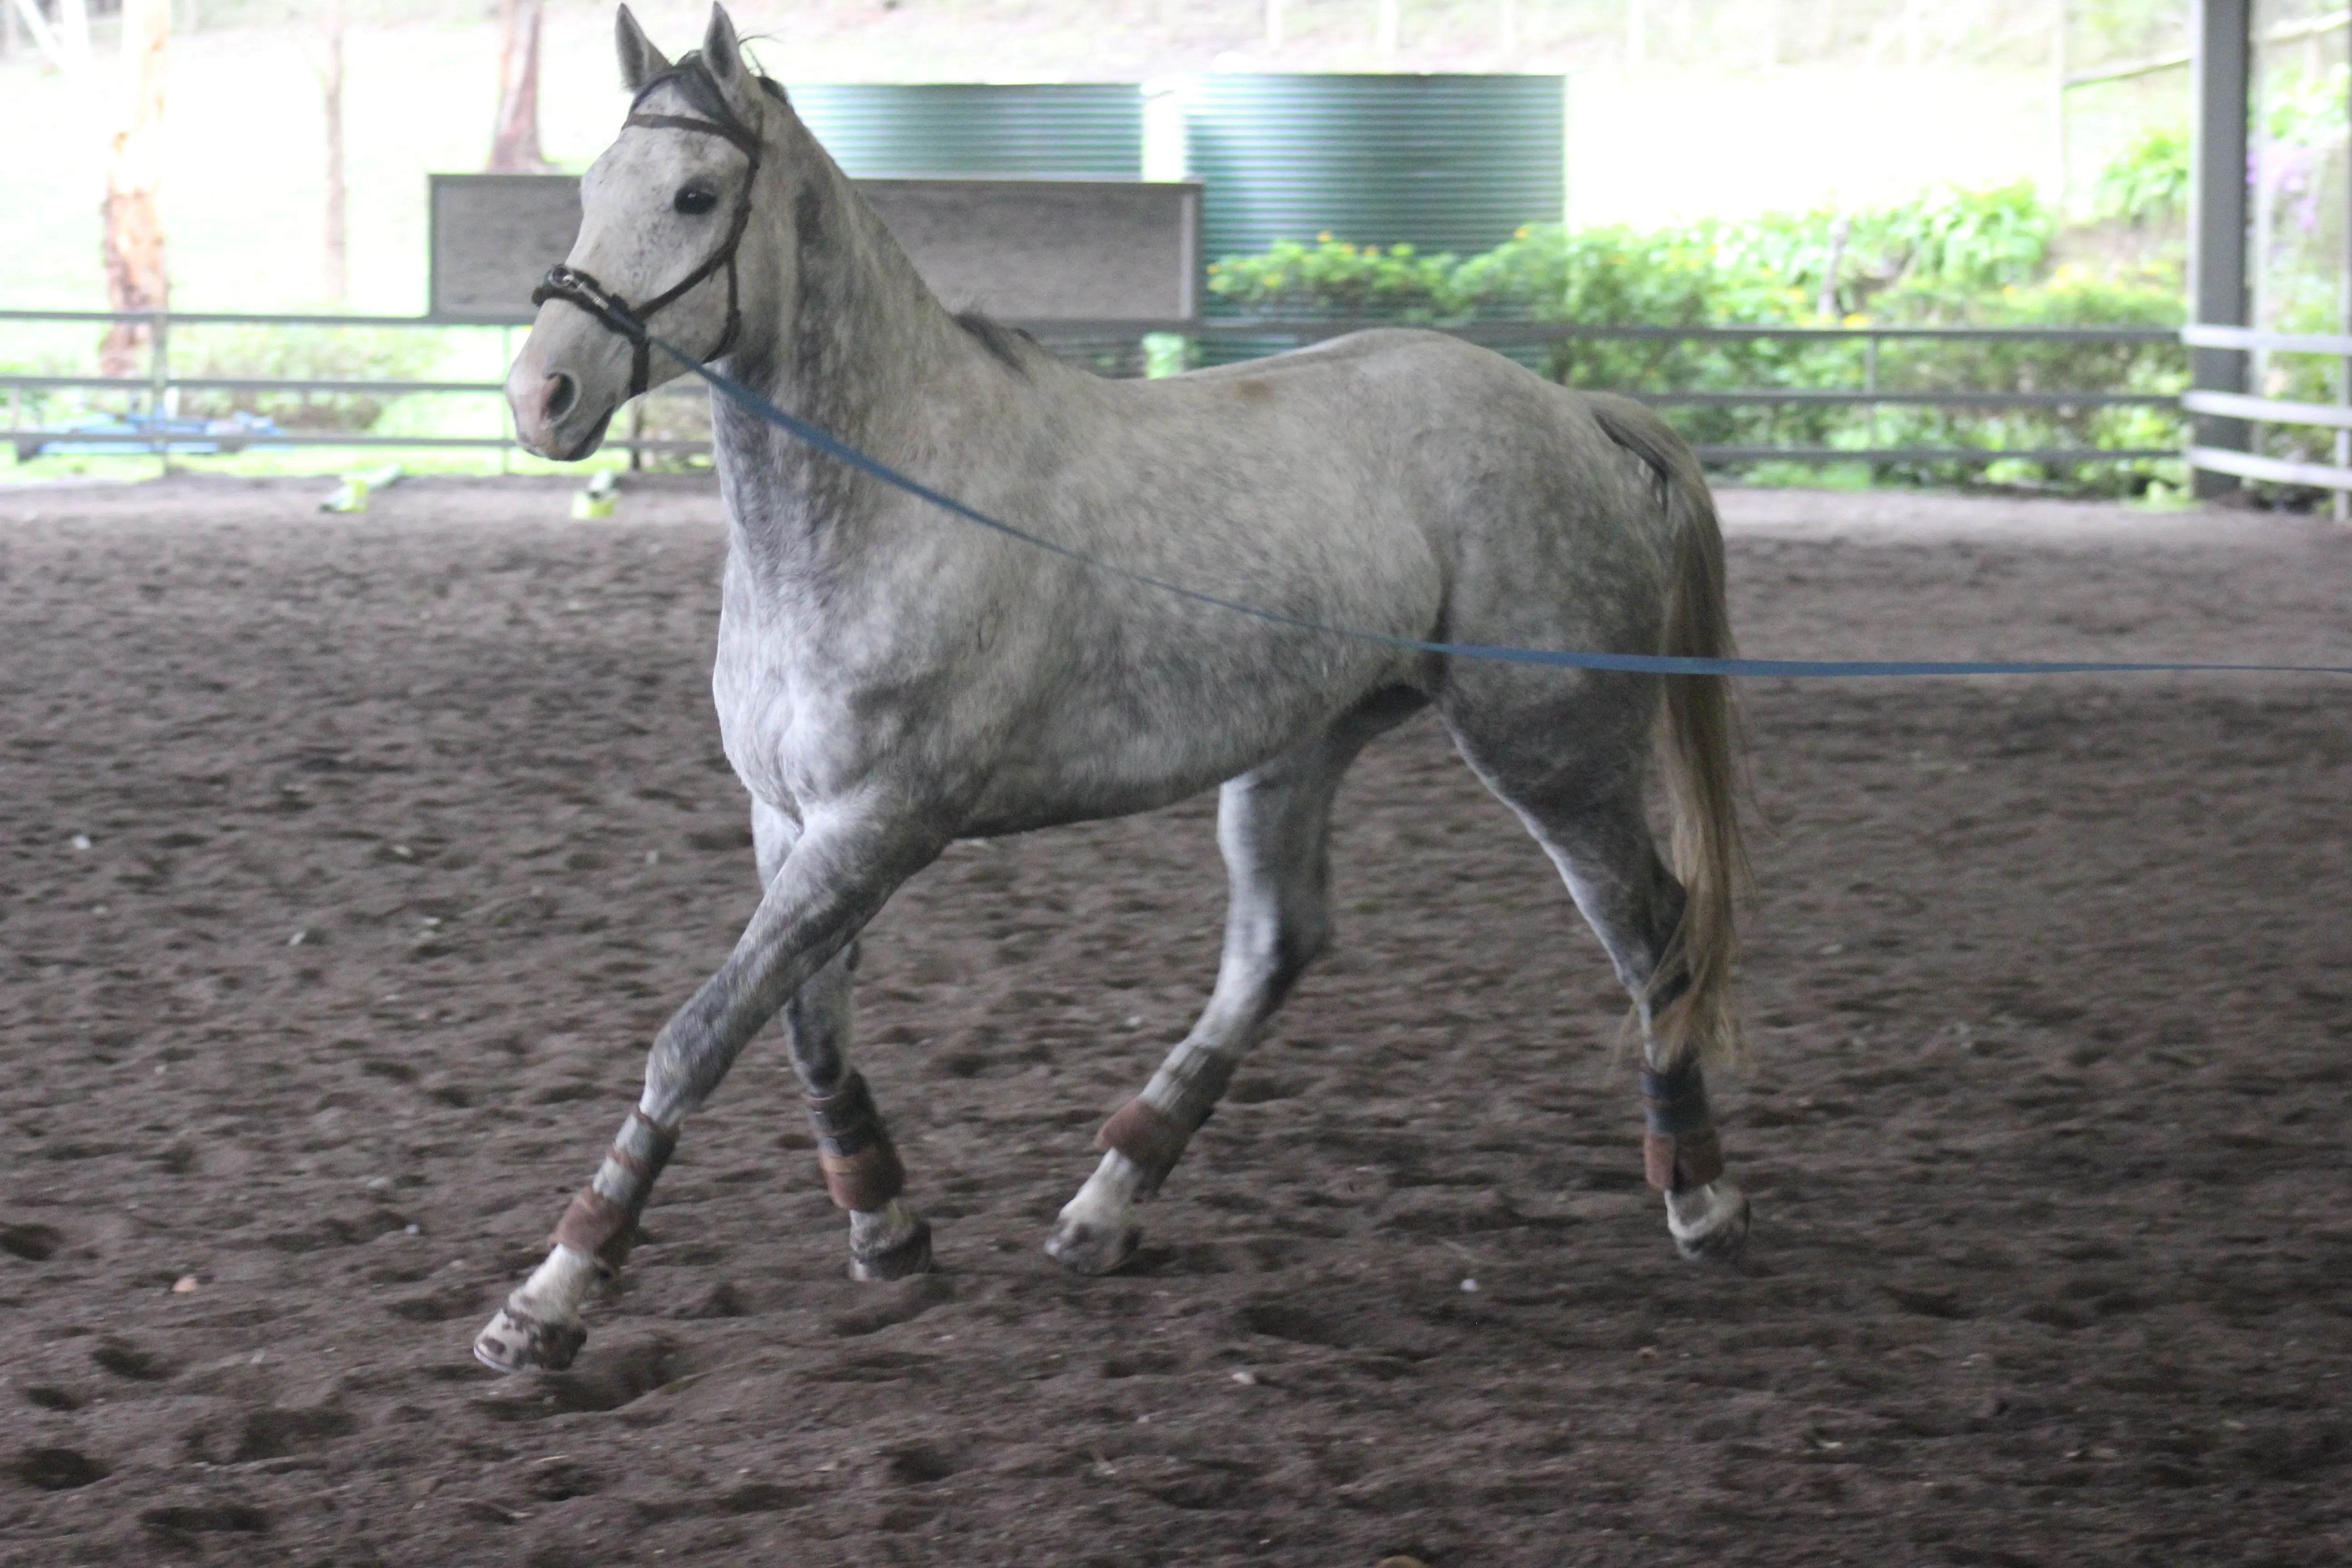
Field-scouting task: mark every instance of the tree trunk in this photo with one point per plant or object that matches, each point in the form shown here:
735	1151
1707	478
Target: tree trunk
64	44
514	140
336	273
132	249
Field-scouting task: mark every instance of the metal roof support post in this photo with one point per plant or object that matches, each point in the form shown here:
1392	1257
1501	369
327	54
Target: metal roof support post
2217	218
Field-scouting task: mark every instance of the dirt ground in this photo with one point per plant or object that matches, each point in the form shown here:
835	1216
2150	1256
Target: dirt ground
347	864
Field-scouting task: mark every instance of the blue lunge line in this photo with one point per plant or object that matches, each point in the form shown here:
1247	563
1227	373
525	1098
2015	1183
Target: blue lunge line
1633	663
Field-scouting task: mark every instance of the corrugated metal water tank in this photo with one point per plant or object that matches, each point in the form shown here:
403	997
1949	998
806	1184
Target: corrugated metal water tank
1040	130
1441	162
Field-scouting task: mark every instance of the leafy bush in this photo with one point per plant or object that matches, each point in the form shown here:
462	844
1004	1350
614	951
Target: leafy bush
1949	258
314	353
1335	278
2147	186
1709	273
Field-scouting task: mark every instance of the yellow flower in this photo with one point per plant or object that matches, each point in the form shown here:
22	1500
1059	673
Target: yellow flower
1325	237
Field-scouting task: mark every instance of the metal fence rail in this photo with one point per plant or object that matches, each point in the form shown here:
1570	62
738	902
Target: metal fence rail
159	388
2336	476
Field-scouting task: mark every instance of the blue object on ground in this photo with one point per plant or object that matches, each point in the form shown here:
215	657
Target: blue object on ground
136	435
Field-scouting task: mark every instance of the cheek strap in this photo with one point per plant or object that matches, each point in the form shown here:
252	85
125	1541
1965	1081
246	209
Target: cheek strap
577	288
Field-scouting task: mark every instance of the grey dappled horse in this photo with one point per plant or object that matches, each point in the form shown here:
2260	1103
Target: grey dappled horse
890	679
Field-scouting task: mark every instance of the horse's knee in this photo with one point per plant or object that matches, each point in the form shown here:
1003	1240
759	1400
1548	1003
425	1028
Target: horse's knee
1300	941
1274	947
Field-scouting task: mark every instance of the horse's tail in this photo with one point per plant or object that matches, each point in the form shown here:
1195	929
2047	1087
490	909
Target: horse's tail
1699	741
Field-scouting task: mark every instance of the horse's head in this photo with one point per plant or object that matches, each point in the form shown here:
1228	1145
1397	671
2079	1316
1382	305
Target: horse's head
666	247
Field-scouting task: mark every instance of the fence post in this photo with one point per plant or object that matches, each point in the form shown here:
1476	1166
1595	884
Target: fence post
2342	507
159	381
1870	384
2342	500
507	429
2217	219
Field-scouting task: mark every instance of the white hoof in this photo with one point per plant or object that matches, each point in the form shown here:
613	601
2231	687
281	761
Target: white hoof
889	1244
1097	1232
1709	1221
517	1341
1085	1246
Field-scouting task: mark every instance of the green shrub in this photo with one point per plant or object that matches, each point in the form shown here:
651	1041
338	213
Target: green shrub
1335	278
314	353
2147	185
1949	258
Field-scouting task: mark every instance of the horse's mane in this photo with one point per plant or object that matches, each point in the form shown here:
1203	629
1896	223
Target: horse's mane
1005	342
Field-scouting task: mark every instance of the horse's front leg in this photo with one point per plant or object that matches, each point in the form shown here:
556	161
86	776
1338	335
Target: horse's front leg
844	865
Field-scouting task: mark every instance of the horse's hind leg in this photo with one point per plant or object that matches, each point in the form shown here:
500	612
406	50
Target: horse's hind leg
862	1173
1272	826
886	1239
1589	820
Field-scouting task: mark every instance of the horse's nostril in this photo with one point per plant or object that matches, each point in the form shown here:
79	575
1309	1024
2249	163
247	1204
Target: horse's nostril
563	392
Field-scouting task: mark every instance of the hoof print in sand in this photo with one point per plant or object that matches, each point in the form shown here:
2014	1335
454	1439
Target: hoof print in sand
905	1300
185	1522
58	1469
610	1377
33	1243
124	1358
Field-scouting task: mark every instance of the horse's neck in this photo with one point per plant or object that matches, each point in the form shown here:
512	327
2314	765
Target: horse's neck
855	352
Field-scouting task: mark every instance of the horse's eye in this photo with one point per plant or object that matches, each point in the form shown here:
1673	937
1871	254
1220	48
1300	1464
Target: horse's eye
694	200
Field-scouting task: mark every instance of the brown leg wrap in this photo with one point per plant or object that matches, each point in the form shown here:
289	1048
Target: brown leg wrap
598	1226
1146	1135
1676	1163
861	1169
1679	1151
604	1227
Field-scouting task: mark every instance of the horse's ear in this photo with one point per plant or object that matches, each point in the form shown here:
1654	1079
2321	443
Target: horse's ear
640	61
723	55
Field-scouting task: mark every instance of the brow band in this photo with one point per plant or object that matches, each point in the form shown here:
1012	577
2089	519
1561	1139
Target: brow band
735	133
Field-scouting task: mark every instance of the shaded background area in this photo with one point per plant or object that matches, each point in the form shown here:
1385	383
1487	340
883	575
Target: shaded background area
2049	986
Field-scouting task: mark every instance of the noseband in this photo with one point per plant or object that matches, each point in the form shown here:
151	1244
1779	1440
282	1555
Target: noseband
574	287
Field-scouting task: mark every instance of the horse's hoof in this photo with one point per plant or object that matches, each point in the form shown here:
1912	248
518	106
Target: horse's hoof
910	1254
517	1341
1087	1247
1710	1224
